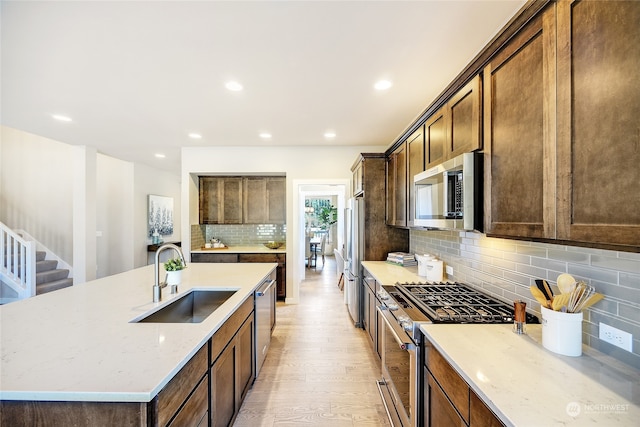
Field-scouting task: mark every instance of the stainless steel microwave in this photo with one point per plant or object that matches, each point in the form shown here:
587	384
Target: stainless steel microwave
449	196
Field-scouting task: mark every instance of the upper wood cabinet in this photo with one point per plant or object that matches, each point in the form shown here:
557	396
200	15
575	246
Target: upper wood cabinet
264	200
415	165
220	200
435	139
519	133
242	200
397	187
598	116
463	124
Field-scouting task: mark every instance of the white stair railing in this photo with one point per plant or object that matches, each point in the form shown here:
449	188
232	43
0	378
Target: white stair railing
17	262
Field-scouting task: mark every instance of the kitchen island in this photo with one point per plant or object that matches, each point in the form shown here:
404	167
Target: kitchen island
520	381
79	345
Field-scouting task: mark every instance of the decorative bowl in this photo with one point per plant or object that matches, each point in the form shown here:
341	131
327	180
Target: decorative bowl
273	245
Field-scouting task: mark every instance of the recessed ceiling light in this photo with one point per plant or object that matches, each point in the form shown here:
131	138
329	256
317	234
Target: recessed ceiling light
383	85
195	136
160	155
61	117
265	135
329	134
234	86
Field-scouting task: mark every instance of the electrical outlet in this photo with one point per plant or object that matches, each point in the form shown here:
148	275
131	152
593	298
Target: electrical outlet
449	270
616	337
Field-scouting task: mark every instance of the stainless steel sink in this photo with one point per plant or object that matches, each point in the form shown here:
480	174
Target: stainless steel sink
193	307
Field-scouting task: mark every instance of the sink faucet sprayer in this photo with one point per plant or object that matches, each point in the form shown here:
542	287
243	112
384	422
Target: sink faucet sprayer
157	292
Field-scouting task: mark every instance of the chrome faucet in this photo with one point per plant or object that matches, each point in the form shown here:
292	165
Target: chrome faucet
157	286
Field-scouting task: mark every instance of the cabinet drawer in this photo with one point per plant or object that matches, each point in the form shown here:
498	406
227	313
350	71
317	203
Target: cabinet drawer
481	415
176	392
279	258
199	257
225	334
452	384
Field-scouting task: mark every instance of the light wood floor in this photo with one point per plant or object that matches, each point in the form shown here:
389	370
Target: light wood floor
320	369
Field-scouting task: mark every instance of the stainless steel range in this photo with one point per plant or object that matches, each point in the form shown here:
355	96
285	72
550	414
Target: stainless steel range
404	307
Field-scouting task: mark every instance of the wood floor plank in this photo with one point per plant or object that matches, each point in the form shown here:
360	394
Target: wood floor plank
320	370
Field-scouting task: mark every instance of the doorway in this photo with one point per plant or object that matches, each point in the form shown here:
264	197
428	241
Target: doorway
334	190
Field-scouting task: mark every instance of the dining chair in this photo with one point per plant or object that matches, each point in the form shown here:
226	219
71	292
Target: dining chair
307	250
319	249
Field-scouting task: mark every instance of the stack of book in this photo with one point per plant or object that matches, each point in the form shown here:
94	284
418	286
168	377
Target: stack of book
401	258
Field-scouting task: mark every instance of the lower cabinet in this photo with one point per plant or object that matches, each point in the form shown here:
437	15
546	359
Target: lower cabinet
232	365
280	258
448	399
371	321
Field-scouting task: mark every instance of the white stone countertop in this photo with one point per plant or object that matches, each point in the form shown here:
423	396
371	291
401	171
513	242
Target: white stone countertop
77	343
524	383
240	249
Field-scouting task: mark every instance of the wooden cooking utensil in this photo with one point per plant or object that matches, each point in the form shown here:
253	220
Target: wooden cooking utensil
539	296
560	301
566	283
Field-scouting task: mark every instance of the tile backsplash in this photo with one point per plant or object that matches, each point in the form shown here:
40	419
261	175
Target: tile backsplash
240	234
506	268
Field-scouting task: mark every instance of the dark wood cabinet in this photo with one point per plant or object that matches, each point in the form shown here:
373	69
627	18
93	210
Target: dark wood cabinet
220	200
598	114
242	200
463	124
415	165
397	187
519	133
372	321
379	238
435	139
448	399
264	200
232	365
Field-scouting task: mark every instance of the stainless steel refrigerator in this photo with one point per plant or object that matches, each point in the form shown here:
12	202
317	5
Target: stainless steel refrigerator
354	238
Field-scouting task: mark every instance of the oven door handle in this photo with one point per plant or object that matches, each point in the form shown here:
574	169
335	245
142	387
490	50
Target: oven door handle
397	331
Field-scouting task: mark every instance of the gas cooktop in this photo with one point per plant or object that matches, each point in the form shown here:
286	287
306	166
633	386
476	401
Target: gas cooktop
458	303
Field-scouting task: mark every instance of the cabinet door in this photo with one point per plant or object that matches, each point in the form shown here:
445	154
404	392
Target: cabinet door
400	186
223	388
220	200
435	139
276	200
255	200
598	115
519	133
246	357
463	130
438	410
415	162
390	202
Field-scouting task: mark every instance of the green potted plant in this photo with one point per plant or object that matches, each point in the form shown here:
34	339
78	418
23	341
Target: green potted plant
174	268
327	216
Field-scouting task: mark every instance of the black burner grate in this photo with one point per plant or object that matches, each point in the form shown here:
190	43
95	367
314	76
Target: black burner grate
458	303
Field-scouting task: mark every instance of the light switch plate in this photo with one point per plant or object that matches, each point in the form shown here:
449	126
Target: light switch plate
449	270
616	337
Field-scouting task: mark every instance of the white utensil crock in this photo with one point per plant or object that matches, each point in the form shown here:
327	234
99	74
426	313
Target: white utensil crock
562	332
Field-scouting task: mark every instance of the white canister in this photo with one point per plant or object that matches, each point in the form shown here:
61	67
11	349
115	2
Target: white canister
422	264
562	332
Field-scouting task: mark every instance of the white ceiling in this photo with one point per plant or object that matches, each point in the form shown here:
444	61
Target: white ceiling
137	77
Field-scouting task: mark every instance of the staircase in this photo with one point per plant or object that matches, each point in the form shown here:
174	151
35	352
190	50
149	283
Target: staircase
25	270
48	276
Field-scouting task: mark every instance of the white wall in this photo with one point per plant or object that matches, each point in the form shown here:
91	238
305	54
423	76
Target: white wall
305	165
114	214
38	193
36	189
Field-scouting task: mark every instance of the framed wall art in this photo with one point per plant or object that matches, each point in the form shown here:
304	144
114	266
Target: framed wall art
160	217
